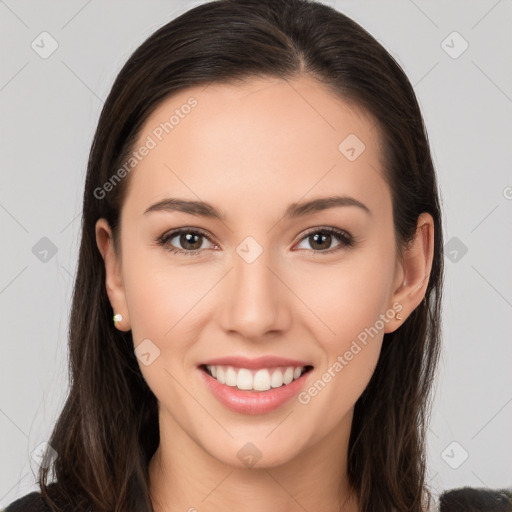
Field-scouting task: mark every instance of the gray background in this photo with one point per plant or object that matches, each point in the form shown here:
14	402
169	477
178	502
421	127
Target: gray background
49	110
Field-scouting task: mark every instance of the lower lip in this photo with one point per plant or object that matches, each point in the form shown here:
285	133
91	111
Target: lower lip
253	402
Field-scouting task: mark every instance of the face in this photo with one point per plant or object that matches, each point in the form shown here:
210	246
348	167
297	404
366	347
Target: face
256	282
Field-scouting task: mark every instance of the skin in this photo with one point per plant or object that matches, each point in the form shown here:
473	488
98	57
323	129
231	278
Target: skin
250	150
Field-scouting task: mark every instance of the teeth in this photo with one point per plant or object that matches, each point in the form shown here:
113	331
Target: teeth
261	381
244	378
221	374
277	379
231	377
255	380
288	376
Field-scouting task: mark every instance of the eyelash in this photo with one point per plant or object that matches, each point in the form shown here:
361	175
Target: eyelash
346	240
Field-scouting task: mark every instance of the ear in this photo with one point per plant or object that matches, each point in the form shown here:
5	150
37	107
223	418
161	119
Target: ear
413	271
114	278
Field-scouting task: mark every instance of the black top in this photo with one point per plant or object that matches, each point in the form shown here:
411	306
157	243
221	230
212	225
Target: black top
466	499
32	502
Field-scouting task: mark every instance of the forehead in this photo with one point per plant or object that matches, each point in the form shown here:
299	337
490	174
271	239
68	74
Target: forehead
265	138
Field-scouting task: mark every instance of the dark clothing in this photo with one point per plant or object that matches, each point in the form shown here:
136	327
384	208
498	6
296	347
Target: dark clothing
466	499
32	502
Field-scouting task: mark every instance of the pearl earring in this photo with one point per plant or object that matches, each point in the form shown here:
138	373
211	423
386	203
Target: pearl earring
117	318
398	316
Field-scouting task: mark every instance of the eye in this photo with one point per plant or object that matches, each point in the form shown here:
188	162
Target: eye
320	239
191	241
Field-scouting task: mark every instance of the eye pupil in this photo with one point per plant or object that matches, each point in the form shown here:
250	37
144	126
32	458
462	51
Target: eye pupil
323	237
187	238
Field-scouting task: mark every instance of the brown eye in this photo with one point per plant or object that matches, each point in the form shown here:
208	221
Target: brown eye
320	240
184	241
190	241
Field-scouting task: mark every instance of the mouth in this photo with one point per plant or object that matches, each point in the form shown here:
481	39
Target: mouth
254	386
254	379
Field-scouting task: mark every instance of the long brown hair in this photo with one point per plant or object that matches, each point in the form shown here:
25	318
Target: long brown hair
108	431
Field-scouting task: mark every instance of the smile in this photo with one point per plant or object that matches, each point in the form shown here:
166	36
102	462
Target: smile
254	386
261	379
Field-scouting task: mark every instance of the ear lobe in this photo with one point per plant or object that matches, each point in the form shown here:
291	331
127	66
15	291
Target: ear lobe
415	268
113	274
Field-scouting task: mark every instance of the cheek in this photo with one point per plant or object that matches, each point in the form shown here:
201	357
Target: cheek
347	297
161	295
350	334
168	304
161	301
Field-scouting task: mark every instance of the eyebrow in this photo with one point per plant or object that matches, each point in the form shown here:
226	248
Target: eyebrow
295	210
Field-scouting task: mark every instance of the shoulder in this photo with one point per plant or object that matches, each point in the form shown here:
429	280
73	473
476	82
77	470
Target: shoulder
32	502
472	499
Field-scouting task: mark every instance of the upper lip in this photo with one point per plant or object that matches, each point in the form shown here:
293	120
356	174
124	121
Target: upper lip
254	363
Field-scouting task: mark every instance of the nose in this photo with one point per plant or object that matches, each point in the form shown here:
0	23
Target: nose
255	302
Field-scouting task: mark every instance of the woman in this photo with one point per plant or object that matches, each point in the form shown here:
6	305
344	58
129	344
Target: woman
256	314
